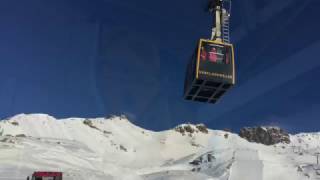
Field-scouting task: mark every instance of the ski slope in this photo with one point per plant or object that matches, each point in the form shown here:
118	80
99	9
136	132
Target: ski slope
115	149
247	165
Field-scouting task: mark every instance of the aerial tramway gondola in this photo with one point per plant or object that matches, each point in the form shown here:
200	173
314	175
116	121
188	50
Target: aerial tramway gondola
211	72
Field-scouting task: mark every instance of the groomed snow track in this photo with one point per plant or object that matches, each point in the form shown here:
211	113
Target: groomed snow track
247	166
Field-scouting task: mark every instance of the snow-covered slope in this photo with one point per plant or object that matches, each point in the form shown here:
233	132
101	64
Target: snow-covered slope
116	149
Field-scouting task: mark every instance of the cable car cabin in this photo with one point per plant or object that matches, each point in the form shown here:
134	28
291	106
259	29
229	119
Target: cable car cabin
47	176
210	73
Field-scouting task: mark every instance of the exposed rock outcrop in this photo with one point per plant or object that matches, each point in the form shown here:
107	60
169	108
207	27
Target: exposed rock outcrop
190	129
265	135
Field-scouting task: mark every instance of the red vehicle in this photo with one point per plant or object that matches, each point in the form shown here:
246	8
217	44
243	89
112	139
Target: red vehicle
38	175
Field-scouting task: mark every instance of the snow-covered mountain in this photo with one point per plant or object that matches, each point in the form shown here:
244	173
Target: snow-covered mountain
114	148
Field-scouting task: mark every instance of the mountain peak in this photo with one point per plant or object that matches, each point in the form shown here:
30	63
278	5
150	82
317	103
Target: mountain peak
114	148
28	117
268	135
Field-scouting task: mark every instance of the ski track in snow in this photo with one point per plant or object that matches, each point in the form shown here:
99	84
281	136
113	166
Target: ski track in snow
116	149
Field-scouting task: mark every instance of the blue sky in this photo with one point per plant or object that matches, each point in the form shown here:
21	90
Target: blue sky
93	58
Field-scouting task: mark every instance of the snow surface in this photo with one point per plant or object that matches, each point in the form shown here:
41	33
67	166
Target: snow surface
116	149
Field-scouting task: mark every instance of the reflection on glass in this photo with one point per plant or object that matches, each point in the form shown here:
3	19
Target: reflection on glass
214	53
